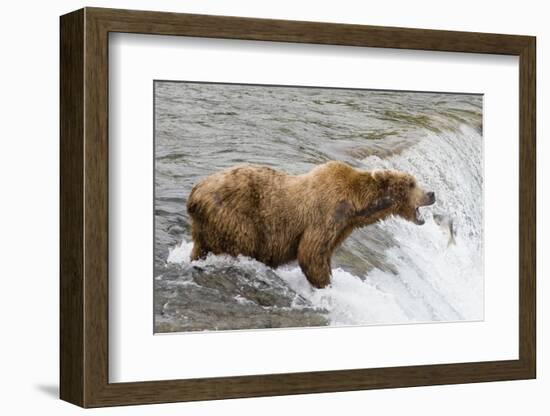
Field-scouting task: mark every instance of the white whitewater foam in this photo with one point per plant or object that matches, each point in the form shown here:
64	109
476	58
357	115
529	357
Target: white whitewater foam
349	299
180	254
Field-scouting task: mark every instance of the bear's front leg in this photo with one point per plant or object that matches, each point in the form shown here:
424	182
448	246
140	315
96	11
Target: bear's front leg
314	258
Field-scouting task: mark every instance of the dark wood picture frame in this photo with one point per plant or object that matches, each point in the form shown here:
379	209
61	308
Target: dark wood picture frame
84	207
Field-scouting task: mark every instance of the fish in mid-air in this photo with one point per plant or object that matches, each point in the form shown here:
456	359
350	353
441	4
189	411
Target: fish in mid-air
446	224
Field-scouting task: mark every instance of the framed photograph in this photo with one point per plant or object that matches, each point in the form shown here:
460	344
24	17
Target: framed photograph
254	207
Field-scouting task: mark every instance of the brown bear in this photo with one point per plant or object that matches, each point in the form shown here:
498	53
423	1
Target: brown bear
276	218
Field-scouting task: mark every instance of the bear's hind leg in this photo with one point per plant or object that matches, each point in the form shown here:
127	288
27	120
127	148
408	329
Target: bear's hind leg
198	252
200	249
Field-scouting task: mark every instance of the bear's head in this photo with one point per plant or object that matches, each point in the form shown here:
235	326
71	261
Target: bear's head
393	192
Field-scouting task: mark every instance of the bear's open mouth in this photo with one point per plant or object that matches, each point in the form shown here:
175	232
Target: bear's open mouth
418	217
429	199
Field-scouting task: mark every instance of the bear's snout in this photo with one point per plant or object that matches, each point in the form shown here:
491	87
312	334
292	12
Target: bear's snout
430	196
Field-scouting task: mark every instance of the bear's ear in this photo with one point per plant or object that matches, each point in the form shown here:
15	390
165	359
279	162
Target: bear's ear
382	180
410	183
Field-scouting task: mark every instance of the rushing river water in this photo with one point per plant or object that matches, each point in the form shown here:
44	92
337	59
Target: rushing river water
388	273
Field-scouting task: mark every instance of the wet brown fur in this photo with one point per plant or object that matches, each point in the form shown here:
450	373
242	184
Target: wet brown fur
276	218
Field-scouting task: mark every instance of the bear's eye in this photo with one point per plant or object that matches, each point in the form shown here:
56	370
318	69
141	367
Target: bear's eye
411	185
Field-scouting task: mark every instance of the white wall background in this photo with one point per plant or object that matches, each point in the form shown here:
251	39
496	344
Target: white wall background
29	159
